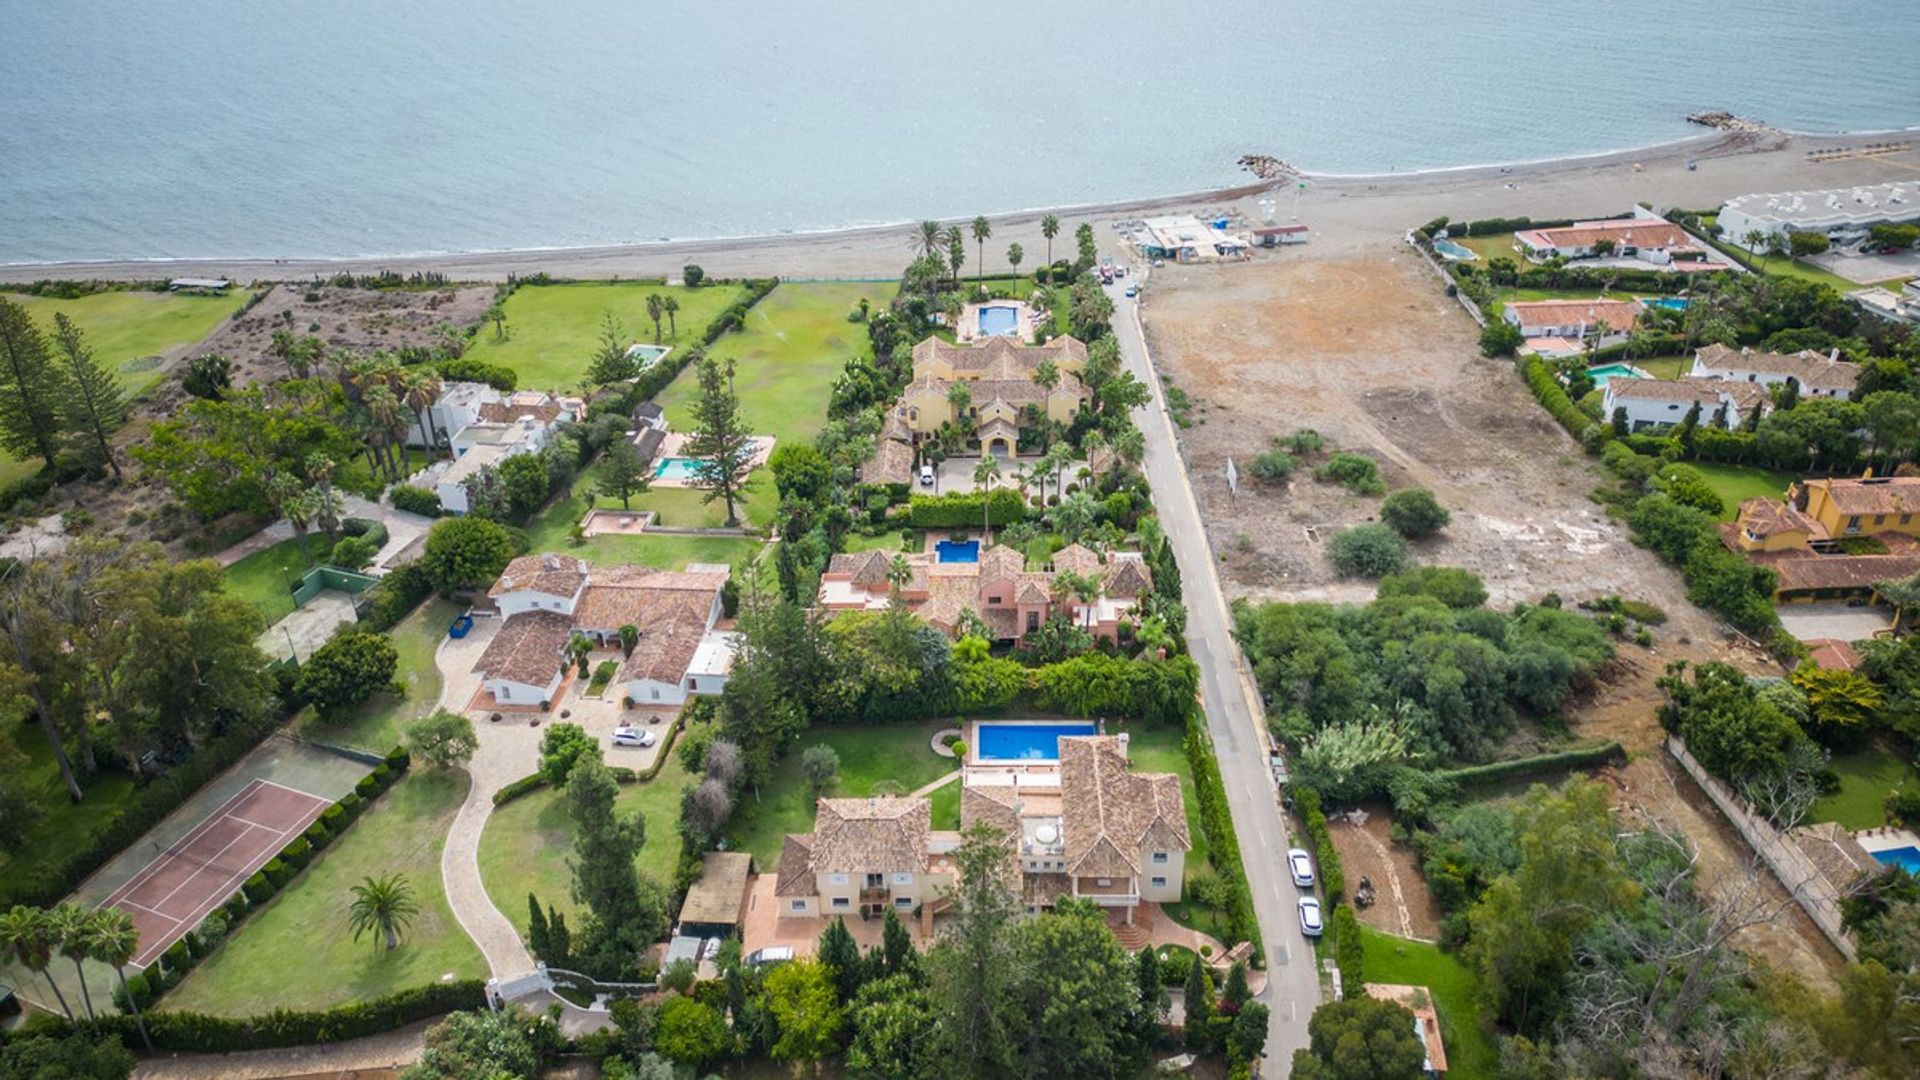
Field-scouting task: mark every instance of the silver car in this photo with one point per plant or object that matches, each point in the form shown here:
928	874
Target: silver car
1300	864
627	735
1310	923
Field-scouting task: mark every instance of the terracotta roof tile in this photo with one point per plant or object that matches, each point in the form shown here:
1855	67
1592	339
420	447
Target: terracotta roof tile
1814	370
543	572
1881	495
853	836
1109	810
527	648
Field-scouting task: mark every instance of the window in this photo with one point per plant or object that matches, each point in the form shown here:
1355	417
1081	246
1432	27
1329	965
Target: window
1159	858
875	881
903	879
655	691
1103	881
841	902
1159	883
799	905
903	901
693	684
1853	524
1879	519
1906	519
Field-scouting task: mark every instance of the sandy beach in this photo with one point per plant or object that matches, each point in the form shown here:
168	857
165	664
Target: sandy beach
1342	210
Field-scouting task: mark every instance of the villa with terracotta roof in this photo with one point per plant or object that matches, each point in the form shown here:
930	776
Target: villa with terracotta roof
480	427
1012	600
544	600
1653	240
1822	375
1000	377
1657	404
1085	825
1604	322
1800	537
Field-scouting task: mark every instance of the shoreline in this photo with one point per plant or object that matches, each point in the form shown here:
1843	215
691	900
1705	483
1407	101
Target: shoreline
876	250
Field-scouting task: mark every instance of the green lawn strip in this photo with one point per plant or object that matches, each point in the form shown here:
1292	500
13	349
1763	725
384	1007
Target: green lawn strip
795	343
298	953
552	330
1664	367
1455	993
64	825
1867	777
528	842
265	578
1492	246
552	531
1737	483
379	723
1158	749
946	806
886	541
869	754
126	328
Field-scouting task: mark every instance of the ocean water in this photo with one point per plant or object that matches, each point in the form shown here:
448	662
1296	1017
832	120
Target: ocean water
192	128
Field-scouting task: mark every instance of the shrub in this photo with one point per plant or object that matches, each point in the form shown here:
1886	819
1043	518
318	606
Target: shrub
316	836
517	788
692	275
298	853
1802	244
414	500
353	553
1303	442
1355	472
258	889
964	509
178	958
277	872
1273	466
468	369
1223	843
1414	513
187	1032
349	806
1368	551
1332	876
1500	338
1560	761
1349	952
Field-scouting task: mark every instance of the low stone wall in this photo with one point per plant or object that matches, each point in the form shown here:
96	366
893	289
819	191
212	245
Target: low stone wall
1814	893
1472	308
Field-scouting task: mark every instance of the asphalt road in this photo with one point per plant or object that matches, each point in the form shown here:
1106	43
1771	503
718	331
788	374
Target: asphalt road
1234	714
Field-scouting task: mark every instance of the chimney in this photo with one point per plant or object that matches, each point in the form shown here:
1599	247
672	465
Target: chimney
550	561
1833	354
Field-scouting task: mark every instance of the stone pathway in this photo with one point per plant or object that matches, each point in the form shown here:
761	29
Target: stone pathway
387	1051
927	789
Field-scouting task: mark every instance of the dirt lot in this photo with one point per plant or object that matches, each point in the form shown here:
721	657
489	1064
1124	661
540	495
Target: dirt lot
1401	904
1360	343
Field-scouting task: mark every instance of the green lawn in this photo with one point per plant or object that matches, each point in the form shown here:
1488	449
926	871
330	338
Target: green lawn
266	578
1491	247
1664	367
1455	991
1737	483
64	825
552	531
380	722
129	330
297	952
869	754
1154	748
552	330
1866	778
1783	266
528	841
945	801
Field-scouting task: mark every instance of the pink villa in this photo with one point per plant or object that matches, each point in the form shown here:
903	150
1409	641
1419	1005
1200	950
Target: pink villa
1012	600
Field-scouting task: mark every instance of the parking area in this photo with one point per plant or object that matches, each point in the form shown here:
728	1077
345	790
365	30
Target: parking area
1837	620
1869	269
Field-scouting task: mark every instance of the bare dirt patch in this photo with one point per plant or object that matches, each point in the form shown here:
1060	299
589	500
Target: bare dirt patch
1402	905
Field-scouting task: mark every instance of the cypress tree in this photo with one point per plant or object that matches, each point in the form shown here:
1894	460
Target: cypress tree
559	938
92	404
898	956
1237	991
1199	1006
841	955
539	940
29	387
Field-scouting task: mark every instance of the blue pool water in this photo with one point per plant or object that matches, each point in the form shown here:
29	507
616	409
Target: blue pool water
1906	858
1671	303
957	551
1026	742
675	468
1601	374
999	321
1454	251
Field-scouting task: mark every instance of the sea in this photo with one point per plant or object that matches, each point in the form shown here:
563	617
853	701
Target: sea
131	129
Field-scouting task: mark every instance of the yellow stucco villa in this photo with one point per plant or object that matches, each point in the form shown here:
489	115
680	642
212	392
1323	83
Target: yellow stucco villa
1000	376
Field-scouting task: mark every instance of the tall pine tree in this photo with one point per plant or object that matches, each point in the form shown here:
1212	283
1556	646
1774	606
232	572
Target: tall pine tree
92	404
720	446
29	387
841	956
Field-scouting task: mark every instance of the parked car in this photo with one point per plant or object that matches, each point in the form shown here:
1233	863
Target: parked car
1133	290
926	476
769	956
625	735
1301	864
1310	923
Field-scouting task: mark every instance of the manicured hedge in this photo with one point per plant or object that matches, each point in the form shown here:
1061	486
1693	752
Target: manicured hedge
47	880
1349	951
517	788
1553	397
197	1033
414	500
395	597
962	509
1565	760
1332	875
1223	845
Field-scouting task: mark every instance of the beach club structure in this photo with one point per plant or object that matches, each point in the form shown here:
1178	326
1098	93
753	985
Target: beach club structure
1601	322
481	427
546	600
1843	215
1186	239
1652	239
1799	537
1081	824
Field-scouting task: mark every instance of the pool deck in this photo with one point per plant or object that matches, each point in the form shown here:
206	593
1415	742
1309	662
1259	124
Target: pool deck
673	447
968	327
1886	838
1033	769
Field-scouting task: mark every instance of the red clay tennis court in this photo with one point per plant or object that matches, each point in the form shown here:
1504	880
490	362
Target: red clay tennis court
209	864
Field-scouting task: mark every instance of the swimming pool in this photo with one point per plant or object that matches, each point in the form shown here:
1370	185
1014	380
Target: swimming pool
1671	303
1906	858
997	321
1601	374
960	551
676	468
1025	742
1456	252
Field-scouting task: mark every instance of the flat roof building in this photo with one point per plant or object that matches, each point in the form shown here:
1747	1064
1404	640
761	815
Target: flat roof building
1842	214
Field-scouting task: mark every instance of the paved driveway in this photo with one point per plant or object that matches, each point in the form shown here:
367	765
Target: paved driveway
1837	620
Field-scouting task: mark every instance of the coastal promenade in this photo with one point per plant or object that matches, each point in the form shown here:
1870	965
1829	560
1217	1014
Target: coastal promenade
1235	718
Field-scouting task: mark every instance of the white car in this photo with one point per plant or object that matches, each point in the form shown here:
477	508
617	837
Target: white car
1301	865
625	735
767	957
1310	923
926	476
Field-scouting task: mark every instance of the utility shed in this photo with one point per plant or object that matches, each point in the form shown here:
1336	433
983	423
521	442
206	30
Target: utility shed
712	907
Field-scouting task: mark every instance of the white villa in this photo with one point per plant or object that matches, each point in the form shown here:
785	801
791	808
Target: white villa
1843	215
1605	322
1650	239
545	599
482	427
1657	404
1823	376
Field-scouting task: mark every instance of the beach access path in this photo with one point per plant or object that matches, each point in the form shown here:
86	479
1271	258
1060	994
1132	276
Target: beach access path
1235	717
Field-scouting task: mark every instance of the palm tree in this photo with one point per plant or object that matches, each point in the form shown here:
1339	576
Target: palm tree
961	398
899	573
421	387
982	231
956	251
1015	253
1050	228
27	936
1756	240
385	410
985	475
671	305
926	239
382	906
1130	446
654	310
115	940
72	930
299	505
1092	444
